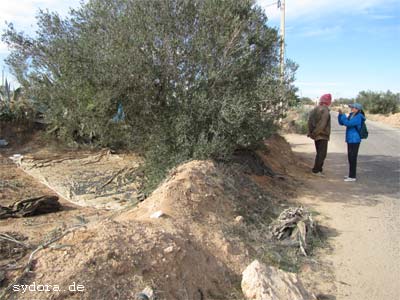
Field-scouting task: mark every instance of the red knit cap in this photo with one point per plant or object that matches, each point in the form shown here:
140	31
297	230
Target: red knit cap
326	99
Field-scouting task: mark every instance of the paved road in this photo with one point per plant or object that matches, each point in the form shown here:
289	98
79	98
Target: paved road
365	215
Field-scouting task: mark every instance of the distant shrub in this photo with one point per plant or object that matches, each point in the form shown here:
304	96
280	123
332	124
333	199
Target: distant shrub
342	101
306	101
302	122
14	106
298	120
379	102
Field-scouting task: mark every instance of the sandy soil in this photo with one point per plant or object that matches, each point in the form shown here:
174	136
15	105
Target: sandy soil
16	185
392	119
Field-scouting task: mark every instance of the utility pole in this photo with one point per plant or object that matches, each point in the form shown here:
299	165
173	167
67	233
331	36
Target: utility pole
281	108
282	6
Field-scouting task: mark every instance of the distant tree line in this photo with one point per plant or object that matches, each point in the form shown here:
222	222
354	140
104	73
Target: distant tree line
307	101
343	101
375	102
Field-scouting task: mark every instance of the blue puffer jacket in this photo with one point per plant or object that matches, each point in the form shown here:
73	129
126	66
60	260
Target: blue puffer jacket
353	125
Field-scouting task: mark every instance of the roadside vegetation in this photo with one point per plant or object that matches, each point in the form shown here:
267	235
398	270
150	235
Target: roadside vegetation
296	120
171	79
14	107
374	102
299	124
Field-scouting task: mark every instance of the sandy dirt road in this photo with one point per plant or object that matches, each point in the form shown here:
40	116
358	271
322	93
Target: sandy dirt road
364	216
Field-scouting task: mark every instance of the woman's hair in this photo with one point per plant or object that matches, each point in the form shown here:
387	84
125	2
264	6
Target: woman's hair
358	112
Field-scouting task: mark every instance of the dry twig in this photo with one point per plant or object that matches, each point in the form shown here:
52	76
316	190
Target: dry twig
28	265
112	177
6	237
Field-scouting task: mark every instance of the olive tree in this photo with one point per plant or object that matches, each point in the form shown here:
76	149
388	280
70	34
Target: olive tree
196	79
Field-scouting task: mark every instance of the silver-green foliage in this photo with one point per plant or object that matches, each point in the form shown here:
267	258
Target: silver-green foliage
379	102
196	78
13	105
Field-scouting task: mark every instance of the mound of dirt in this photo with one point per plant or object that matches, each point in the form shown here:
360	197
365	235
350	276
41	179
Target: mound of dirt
214	222
116	260
187	253
183	255
278	155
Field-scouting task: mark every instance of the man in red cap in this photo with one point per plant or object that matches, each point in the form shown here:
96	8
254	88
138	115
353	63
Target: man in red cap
319	129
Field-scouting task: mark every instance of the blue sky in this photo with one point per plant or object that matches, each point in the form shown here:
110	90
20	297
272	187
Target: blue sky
341	46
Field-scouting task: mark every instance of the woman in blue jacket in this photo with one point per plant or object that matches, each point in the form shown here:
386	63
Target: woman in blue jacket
353	125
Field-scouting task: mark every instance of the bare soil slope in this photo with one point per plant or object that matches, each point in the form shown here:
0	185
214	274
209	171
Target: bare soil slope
196	250
188	253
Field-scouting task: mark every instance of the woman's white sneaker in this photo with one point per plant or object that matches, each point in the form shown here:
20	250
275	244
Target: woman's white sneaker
349	179
319	174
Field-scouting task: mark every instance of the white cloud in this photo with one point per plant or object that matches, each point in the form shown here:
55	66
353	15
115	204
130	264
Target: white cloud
314	9
3	48
22	12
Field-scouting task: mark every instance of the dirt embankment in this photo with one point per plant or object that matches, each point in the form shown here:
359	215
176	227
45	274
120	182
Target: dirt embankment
214	222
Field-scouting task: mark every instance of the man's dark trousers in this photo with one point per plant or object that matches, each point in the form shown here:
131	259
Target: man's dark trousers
322	149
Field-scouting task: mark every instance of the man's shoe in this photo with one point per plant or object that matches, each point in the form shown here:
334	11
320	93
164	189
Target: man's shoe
349	179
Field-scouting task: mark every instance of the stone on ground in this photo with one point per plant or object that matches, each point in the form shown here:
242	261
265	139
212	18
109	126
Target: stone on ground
261	282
